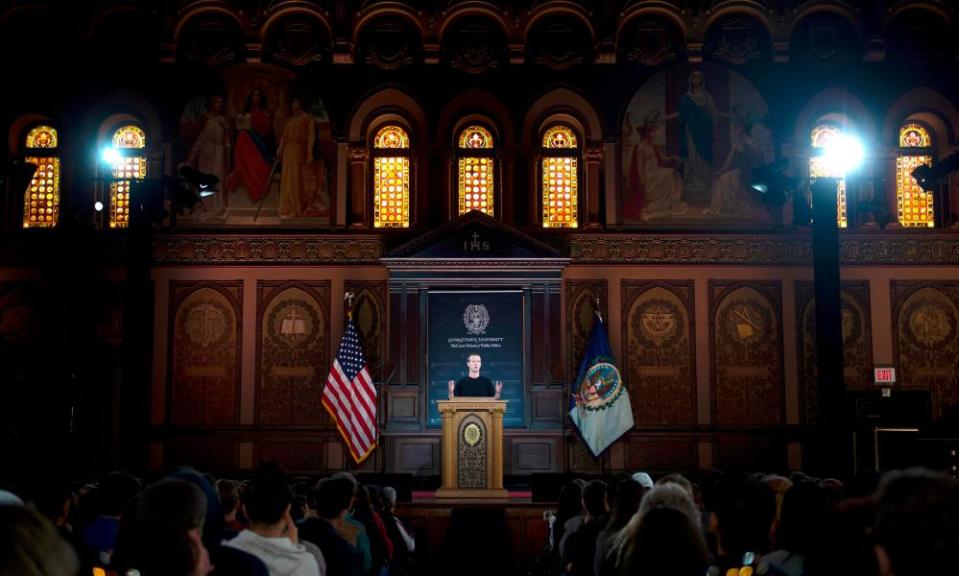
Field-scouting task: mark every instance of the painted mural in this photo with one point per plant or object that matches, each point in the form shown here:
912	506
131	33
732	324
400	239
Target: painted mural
269	143
691	136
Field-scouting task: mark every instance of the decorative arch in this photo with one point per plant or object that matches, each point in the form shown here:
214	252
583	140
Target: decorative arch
837	103
569	103
372	13
929	106
937	8
841	9
556	8
202	8
640	9
755	9
466	9
388	105
19	127
281	9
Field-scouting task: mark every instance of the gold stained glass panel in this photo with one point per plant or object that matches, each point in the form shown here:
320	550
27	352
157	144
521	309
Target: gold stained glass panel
125	169
42	137
391	137
475	137
391	192
129	137
41	202
913	135
560	192
559	137
475	191
915	206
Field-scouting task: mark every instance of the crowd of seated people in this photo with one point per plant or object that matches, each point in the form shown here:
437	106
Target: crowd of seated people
188	524
745	525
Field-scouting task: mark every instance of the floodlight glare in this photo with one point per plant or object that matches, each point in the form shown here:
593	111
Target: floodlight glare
110	155
843	154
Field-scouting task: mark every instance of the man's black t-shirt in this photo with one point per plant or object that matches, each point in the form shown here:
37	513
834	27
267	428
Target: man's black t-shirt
480	386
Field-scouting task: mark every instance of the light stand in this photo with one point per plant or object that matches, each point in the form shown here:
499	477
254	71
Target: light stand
829	353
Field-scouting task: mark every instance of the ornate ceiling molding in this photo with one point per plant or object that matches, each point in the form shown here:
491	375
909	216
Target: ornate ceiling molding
312	249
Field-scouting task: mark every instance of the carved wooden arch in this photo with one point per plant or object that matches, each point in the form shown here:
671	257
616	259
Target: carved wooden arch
927	105
473	105
391	100
121	10
752	8
559	8
22	124
372	13
833	101
205	7
128	106
282	9
842	10
16	10
566	102
474	8
669	10
940	9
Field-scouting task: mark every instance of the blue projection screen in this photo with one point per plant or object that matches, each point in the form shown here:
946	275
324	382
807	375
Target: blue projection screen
488	323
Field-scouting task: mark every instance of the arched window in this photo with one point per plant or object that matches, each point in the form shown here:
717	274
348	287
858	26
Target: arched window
41	202
821	137
476	173
391	178
128	140
559	178
915	206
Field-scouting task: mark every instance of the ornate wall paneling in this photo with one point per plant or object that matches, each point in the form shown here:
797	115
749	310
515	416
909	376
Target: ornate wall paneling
746	354
738	38
921	34
389	42
824	37
925	317
659	452
372	321
204	361
748	452
560	42
293	356
418	455
298	454
659	353
474	44
296	38
651	39
856	337
581	298
210	37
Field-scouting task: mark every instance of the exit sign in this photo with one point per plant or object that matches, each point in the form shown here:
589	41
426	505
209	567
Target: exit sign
884	375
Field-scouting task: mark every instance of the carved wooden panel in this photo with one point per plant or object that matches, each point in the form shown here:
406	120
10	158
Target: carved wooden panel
206	454
738	38
746	353
651	40
297	455
532	455
925	315
474	44
856	341
388	43
659	352
205	353
580	457
296	40
559	42
371	318
417	455
750	453
293	331
581	298
655	453
824	36
403	404
547	405
212	39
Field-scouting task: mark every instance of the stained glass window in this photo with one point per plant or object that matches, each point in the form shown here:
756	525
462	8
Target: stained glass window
560	178
41	201
822	135
915	206
476	170
127	166
391	178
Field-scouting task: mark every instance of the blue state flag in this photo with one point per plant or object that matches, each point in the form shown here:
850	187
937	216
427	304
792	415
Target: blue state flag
599	405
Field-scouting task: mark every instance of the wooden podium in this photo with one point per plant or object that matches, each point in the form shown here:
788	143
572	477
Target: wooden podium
472	449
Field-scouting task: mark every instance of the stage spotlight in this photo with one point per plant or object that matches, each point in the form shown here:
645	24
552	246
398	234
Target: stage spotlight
843	154
98	206
928	176
110	155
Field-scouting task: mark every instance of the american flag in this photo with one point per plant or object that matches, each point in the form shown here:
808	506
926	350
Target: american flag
349	396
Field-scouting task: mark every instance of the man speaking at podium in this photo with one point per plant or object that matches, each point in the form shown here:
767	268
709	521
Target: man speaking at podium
475	385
